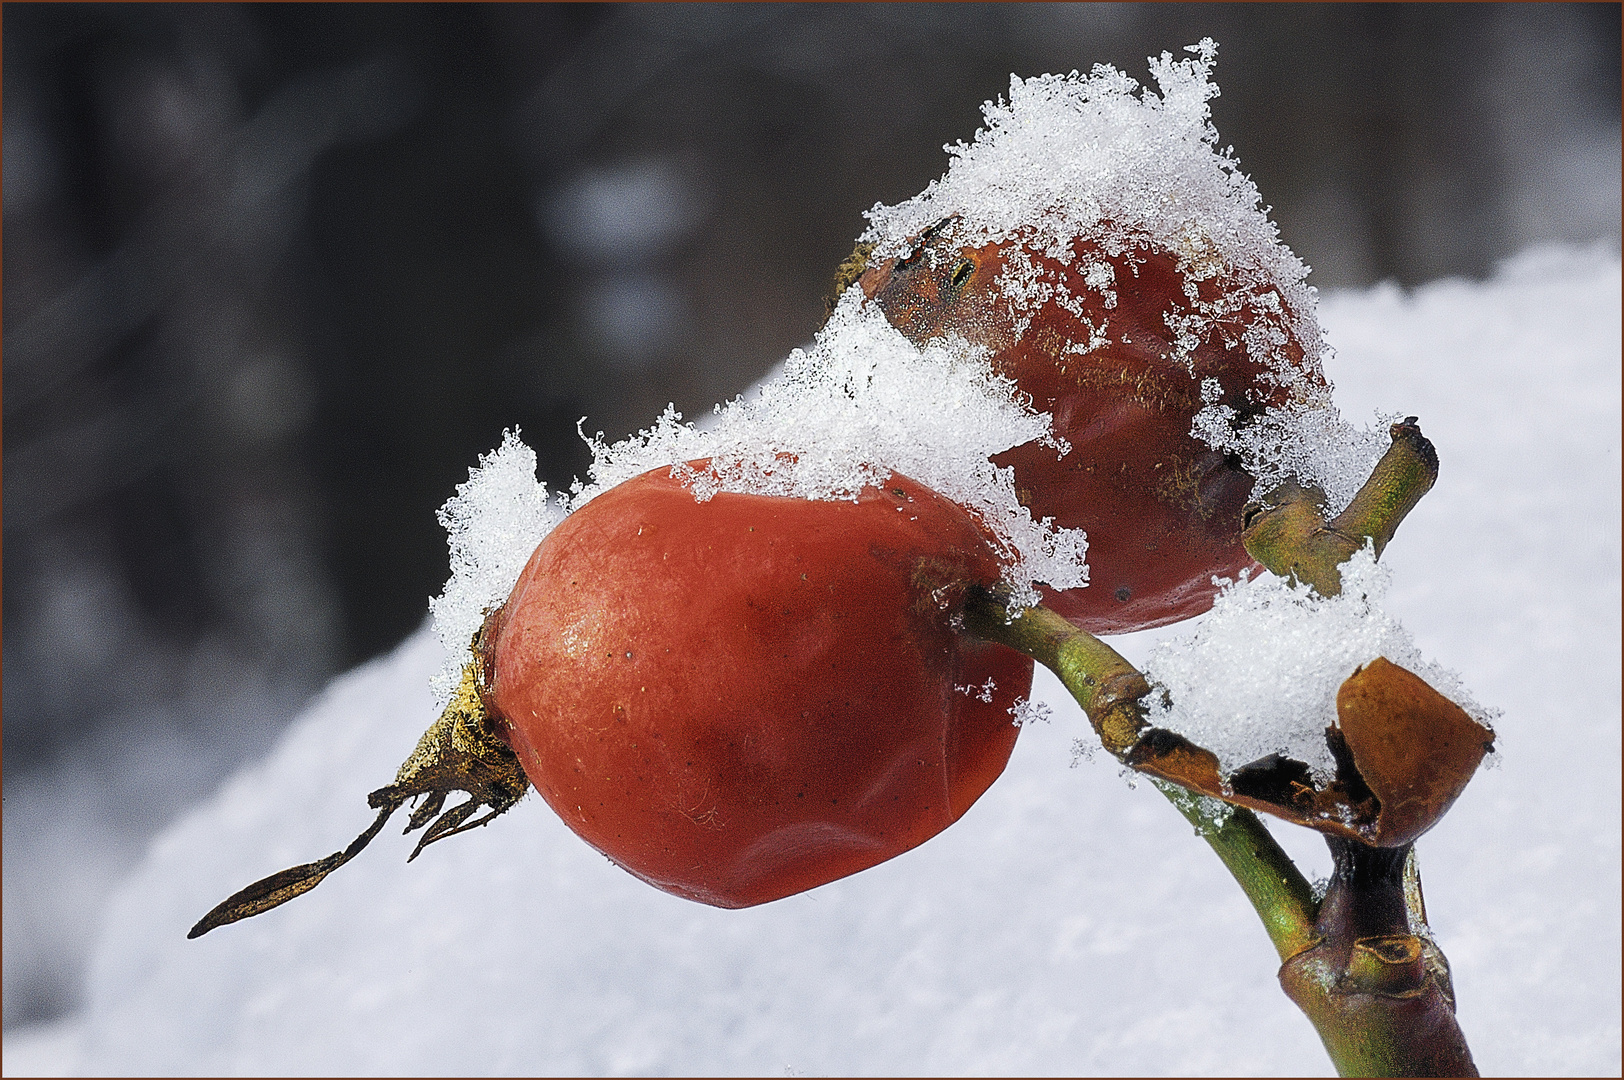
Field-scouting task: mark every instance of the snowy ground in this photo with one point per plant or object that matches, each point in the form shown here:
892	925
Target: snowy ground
1068	925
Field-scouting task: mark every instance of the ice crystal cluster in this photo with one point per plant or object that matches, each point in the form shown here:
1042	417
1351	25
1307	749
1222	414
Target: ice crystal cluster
1260	674
862	403
1308	442
1066	161
1096	158
1073	164
493	523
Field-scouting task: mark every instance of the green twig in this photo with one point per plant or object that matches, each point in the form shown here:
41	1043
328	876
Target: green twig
1108	688
1361	965
1111	692
1271	881
1287	532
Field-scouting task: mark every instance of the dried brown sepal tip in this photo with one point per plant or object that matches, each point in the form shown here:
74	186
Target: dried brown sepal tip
1404	753
279	888
461	751
850	269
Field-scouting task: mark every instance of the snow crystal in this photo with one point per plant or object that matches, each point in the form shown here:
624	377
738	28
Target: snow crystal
862	403
1259	676
1096	158
982	693
1214	814
1030	711
1308	442
493	522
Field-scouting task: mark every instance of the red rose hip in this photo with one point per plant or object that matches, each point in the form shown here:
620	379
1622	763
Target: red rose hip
744	698
1116	346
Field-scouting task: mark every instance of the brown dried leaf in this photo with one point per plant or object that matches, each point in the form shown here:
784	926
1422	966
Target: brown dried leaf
1274	785
1414	747
1404	753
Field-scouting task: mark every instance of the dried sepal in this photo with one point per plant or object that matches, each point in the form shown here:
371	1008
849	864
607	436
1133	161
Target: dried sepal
279	888
1414	748
846	274
461	751
1404	753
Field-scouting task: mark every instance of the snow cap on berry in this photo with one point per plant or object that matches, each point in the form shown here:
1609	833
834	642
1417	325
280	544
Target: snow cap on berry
1072	163
493	523
1098	158
862	403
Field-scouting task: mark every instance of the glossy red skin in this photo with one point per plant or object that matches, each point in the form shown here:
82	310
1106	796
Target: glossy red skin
744	698
1162	510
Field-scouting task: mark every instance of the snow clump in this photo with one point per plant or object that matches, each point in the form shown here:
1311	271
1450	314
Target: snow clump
1070	161
493	523
1259	676
862	403
1097	158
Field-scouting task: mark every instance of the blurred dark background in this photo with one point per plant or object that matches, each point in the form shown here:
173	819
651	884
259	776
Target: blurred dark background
276	275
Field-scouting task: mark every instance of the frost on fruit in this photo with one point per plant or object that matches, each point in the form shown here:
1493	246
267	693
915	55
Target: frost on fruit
1097	158
1073	165
493	523
1260	675
862	403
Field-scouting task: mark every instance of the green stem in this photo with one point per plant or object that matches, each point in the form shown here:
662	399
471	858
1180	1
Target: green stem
1111	692
1107	687
1376	988
1361	965
1279	893
1287	531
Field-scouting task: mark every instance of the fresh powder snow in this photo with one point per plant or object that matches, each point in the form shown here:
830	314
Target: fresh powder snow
1067	158
1099	158
492	524
1259	674
1072	161
862	403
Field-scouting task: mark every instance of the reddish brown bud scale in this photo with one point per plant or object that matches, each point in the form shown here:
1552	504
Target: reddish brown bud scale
1404	754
